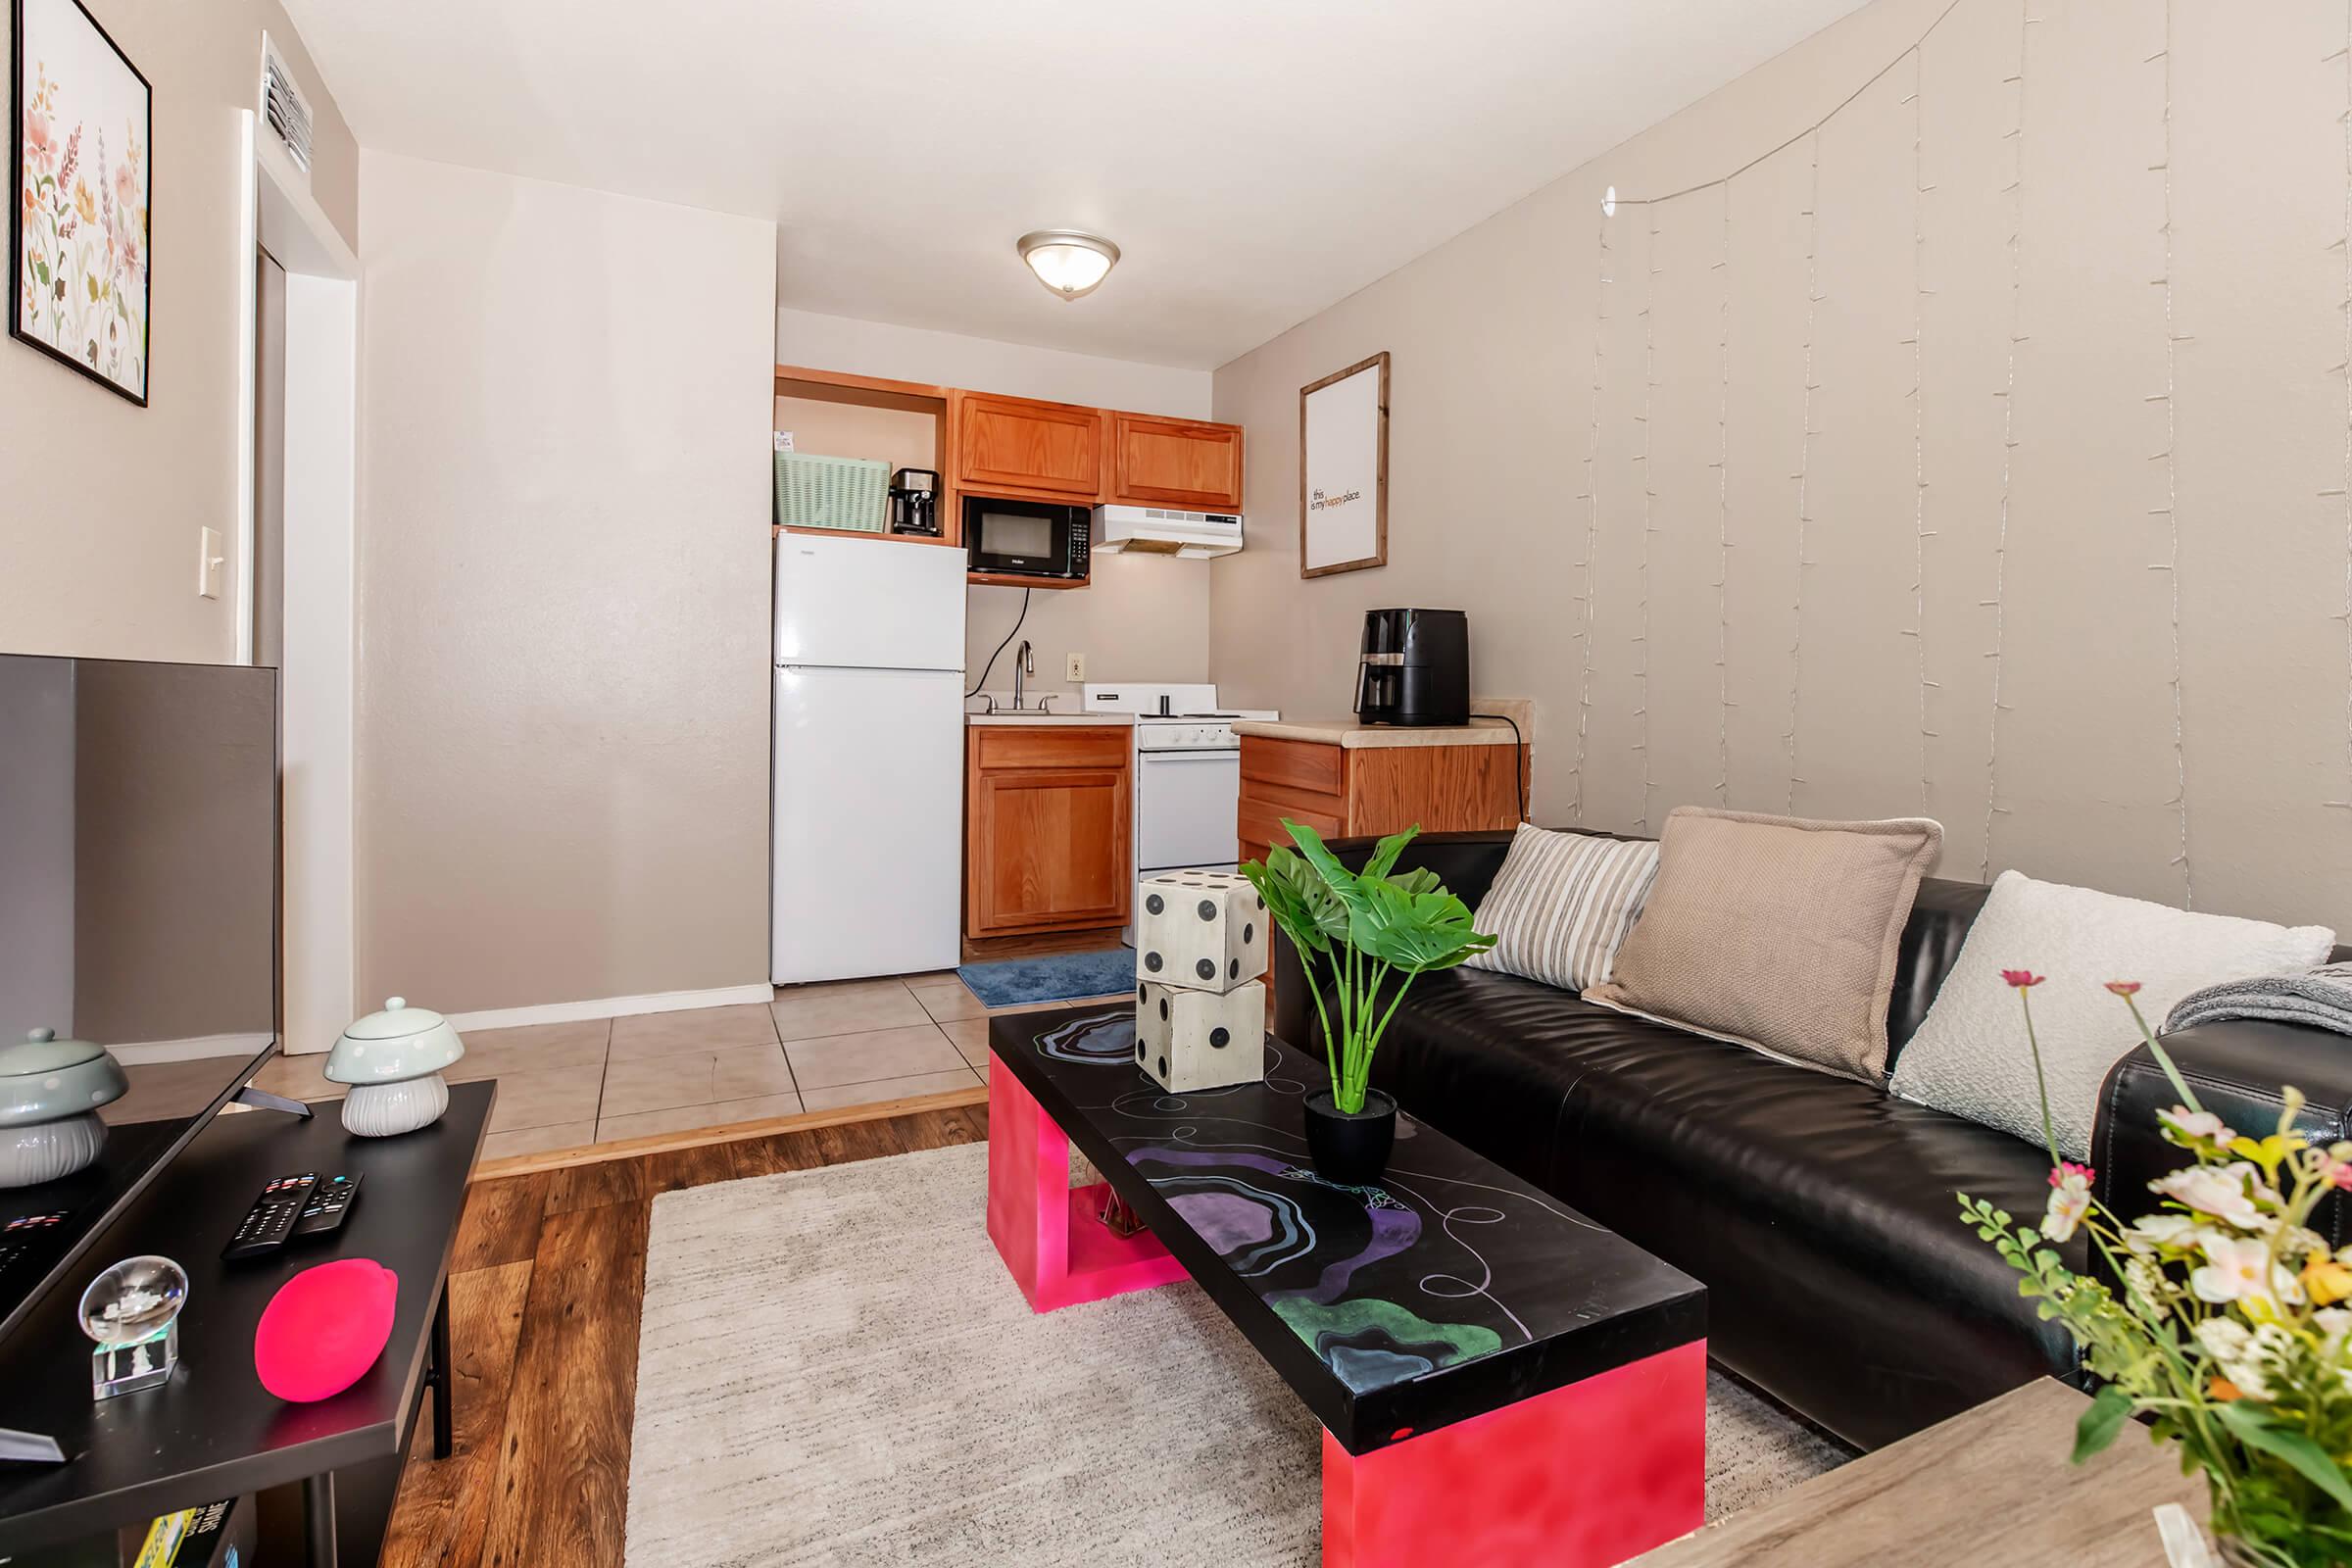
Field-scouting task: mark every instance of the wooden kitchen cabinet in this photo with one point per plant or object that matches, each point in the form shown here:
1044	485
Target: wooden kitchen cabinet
1046	834
1356	792
1019	446
1176	462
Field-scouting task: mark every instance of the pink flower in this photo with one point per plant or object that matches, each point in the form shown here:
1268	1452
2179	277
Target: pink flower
2070	1202
2124	988
2066	1170
39	147
2191	1125
2242	1271
2023	978
2338	1174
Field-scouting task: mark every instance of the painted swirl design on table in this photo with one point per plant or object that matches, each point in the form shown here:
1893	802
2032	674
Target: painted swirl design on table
1382	1281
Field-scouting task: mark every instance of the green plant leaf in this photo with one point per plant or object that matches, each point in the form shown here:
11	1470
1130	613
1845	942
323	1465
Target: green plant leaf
2256	1427
1413	931
1384	853
1420	879
2109	1409
1309	913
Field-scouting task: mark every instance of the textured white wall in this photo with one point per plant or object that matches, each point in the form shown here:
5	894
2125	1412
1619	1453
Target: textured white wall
2048	539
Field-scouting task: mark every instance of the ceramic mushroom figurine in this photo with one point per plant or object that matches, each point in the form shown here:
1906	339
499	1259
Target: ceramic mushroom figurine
392	1061
50	1092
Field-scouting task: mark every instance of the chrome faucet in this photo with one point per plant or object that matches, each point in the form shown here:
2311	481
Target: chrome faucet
1023	663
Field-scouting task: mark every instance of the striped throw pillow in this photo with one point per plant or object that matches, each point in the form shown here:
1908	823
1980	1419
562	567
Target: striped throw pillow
1562	903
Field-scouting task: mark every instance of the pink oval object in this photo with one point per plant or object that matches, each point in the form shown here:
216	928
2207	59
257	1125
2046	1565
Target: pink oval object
325	1328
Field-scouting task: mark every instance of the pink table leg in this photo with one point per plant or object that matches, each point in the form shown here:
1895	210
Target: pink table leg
1581	1477
1045	1230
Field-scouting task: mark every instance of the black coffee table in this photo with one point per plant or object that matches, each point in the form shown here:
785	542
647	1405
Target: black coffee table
1500	1379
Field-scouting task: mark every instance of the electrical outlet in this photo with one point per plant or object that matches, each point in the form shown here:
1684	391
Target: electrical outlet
210	559
1077	668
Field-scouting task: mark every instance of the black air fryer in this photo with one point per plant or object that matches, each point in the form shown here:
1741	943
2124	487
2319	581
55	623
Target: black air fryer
1416	668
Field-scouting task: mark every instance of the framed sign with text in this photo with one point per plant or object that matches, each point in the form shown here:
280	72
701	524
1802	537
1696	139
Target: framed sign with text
1343	469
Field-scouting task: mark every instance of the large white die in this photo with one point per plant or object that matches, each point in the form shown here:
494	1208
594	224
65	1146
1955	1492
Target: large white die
1190	1038
1202	929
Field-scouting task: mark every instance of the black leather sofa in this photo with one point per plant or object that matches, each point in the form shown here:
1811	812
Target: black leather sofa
1818	1211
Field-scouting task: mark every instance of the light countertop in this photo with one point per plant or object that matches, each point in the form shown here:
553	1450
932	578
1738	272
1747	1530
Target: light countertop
1032	718
1486	727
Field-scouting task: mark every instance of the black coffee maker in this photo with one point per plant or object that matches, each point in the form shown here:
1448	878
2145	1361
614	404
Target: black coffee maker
1416	668
915	502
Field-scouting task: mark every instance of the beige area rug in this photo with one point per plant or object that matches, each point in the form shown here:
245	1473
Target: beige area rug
836	1369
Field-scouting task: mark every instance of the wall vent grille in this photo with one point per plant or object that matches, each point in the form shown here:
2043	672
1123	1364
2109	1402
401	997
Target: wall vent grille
283	108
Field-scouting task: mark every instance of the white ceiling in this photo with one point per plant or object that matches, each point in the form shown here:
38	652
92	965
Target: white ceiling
1256	161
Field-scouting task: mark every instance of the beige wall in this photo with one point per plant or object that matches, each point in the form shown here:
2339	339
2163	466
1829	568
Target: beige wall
1996	649
563	586
1138	618
105	499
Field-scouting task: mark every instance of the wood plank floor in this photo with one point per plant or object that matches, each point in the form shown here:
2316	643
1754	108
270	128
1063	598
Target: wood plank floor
545	1292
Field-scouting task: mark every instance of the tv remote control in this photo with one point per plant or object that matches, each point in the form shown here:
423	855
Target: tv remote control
329	1205
271	1220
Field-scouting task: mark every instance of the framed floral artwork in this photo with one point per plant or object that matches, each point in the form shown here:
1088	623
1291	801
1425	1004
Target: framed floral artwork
78	259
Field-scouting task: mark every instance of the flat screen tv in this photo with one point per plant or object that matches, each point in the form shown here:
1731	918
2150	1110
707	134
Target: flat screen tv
139	908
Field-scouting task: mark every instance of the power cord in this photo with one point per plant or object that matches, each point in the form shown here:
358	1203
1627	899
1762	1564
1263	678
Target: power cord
1000	647
1518	761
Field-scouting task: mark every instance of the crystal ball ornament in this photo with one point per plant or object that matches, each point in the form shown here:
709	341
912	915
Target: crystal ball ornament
132	1310
1206	930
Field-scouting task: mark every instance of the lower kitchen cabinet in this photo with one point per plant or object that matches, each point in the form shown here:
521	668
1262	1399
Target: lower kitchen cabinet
1046	838
1361	791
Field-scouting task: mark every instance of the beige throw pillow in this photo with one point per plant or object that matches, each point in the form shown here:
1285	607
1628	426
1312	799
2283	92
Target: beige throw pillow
1775	932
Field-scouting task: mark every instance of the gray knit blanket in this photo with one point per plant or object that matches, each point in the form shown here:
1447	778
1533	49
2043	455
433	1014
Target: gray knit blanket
2320	998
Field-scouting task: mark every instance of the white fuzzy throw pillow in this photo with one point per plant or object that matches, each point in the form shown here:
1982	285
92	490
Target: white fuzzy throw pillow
1970	1056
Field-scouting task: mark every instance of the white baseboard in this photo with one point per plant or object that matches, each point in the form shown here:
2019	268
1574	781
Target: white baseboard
610	1008
194	1048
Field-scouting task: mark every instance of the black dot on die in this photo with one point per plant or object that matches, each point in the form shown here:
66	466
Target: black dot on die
1164	1009
1138	1050
1209	910
1152	961
1164	1067
1261	903
1206	969
1155	903
1234	973
1138	991
1249	931
1218	1038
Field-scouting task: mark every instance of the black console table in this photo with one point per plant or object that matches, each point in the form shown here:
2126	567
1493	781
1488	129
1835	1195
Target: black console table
214	1432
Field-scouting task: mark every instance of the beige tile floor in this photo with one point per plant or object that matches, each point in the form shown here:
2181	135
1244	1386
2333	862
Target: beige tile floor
814	1048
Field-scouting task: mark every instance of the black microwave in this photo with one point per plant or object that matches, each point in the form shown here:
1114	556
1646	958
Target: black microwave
1026	538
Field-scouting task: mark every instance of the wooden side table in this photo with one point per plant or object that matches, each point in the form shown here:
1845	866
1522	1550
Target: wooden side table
1990	1489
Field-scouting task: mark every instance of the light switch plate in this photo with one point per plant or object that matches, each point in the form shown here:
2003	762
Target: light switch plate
209	559
1077	667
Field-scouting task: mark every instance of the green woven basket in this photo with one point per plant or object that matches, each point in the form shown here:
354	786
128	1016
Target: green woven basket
813	492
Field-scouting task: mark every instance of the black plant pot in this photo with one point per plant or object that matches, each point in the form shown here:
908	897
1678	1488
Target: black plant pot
1351	1148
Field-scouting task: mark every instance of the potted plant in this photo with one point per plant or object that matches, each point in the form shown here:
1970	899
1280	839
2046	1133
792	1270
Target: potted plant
2230	1325
1371	929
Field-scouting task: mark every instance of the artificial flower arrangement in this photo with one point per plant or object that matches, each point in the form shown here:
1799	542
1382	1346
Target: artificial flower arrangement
2231	1330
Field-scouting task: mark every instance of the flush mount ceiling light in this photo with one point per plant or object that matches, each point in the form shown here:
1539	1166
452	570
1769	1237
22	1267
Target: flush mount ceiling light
1067	261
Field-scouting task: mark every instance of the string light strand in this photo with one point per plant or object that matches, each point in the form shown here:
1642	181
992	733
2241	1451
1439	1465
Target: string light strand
2008	396
1587	605
1723	510
1805	465
2170	565
1650	495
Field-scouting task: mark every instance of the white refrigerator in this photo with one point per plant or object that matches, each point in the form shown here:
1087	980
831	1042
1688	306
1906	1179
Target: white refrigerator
867	870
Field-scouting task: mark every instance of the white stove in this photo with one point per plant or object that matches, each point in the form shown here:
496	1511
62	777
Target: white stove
1188	772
